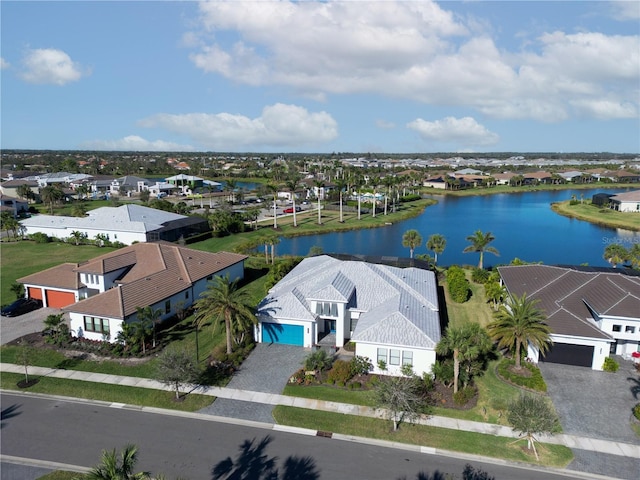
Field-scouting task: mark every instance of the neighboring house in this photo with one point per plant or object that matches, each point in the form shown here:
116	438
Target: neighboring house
592	312
125	224
16	206
10	188
100	294
390	313
439	182
626	202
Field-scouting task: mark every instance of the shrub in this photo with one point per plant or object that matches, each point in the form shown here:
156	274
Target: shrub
462	396
410	198
636	411
610	365
355	385
350	347
534	382
480	275
340	373
360	365
443	372
457	284
40	237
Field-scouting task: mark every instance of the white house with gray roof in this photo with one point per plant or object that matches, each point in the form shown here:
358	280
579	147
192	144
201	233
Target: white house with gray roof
390	313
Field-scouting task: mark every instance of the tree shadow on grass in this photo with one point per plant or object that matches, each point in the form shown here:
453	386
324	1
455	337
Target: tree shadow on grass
253	463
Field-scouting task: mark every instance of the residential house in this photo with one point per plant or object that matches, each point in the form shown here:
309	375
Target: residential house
390	313
17	207
101	294
125	224
592	312
10	187
626	202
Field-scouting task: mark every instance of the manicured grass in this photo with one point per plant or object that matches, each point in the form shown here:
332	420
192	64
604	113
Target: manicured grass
26	257
108	393
331	394
525	188
598	215
474	310
453	440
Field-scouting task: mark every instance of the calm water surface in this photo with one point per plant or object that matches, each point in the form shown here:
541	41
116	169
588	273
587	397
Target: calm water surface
522	223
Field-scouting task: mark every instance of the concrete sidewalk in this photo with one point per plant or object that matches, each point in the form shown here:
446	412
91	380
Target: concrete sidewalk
571	441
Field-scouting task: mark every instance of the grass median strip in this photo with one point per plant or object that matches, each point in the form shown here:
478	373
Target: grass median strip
107	393
442	438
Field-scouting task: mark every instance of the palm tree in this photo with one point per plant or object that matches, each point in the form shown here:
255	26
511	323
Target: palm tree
272	188
226	305
149	316
78	236
292	186
480	243
411	239
114	468
616	254
24	191
518	323
340	184
436	244
51	195
319	184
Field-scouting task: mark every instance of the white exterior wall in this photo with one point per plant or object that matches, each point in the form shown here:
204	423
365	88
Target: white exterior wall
629	206
423	359
342	322
63	232
76	324
626	325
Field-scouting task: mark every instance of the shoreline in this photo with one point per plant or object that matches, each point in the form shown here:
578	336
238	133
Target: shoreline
563	208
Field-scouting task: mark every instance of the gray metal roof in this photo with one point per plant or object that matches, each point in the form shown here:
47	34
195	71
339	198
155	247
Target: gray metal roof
399	305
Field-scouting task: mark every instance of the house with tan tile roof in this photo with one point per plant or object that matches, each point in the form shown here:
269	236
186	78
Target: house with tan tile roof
626	202
592	312
103	293
390	313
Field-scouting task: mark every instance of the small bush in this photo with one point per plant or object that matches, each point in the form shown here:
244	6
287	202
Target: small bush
480	275
40	237
636	411
462	396
355	385
410	198
610	365
360	366
534	382
457	284
340	373
350	347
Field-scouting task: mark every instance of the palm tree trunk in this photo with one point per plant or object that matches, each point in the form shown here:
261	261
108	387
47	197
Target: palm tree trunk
480	263
518	346
227	326
341	219
456	370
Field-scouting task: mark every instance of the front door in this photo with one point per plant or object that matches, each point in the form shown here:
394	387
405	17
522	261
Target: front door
330	326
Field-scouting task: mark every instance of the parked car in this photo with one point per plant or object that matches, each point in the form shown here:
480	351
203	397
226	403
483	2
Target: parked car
21	306
290	209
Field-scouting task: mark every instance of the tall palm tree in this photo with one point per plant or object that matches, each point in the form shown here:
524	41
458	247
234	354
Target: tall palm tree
273	189
149	316
114	468
225	305
319	184
518	323
340	184
436	244
292	185
411	239
24	191
480	243
51	195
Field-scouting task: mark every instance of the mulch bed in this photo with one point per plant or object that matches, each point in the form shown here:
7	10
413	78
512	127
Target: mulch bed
443	397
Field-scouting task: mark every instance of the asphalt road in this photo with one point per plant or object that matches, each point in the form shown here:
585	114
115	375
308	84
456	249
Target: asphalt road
75	432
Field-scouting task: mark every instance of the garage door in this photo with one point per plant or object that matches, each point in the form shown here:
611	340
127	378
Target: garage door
35	292
279	333
579	355
57	299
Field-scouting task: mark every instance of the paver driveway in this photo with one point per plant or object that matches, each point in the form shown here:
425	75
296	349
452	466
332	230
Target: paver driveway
268	370
32	322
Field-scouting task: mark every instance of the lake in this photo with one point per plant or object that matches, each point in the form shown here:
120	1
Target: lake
523	224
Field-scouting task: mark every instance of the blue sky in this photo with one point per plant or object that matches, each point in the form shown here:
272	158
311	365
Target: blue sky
355	76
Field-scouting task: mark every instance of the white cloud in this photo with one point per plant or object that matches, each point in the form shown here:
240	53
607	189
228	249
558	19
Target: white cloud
279	125
50	66
417	51
4	64
385	125
134	143
625	10
460	131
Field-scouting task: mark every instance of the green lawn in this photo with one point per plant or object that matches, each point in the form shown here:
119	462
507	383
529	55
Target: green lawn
453	440
26	257
600	216
475	310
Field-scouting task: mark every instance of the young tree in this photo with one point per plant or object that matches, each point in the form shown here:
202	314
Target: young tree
56	328
176	368
150	318
25	357
79	209
436	244
114	468
530	416
226	306
411	239
78	236
494	293
144	196
400	397
17	289
480	243
518	323
51	195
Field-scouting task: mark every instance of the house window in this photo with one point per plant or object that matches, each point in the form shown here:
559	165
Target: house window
167	306
209	278
319	308
382	355
629	329
186	294
334	309
353	324
617	328
407	357
394	357
326	310
99	325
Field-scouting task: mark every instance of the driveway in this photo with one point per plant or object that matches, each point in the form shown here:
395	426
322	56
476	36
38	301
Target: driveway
16	327
267	369
598	405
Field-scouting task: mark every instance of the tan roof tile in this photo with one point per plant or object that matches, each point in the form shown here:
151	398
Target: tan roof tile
61	276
